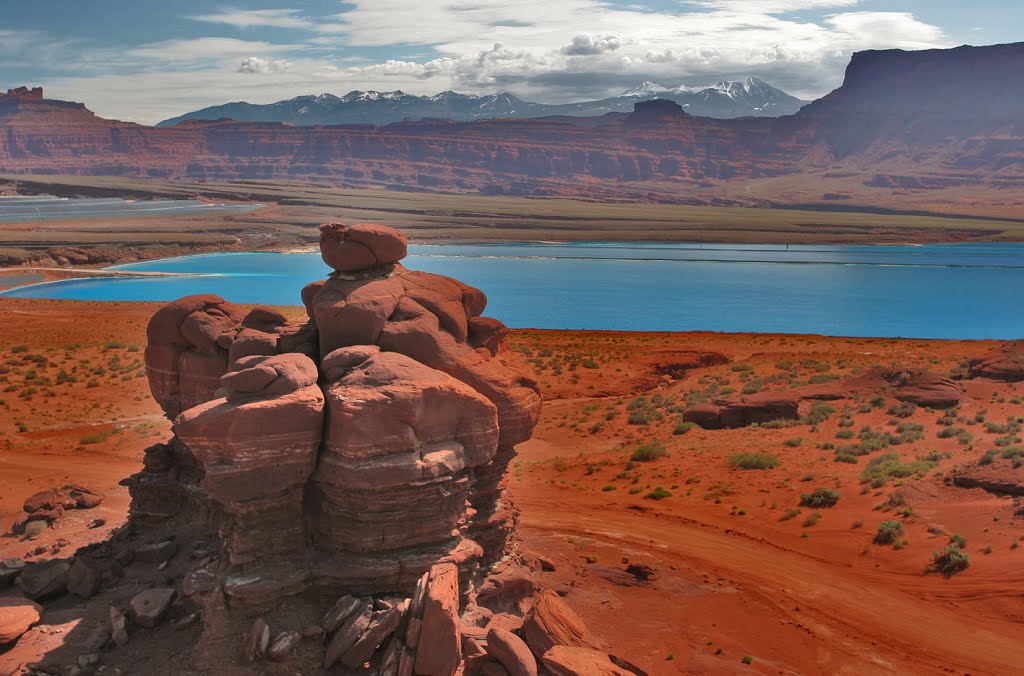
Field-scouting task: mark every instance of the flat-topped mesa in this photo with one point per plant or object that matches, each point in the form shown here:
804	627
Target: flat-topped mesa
354	450
364	248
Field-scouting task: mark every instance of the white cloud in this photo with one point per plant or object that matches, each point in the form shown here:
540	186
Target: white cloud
257	18
587	44
257	65
549	50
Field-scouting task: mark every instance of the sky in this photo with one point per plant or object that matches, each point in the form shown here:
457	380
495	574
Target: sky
145	61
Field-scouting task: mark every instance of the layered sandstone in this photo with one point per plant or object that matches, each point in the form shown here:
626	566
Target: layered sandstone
354	451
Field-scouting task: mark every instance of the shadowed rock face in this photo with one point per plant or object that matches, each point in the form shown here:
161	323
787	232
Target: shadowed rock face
356	450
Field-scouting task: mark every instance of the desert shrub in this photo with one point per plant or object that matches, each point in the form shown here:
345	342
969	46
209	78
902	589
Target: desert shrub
649	452
658	493
845	434
683	427
889	466
949	561
820	412
904	410
753	461
821	497
794	442
93	438
958	540
889	532
790	513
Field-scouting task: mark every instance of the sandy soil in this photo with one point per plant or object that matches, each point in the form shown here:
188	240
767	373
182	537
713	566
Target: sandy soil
742	570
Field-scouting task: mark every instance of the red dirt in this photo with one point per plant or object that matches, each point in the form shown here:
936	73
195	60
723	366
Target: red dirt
730	575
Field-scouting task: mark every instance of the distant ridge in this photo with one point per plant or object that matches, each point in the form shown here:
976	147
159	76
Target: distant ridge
725	100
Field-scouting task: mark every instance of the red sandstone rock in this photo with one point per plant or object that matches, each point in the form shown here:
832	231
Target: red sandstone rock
551	622
399	440
17	615
348	634
929	389
1005	363
511	651
278	417
283	645
440	651
149	607
577	661
257	641
44	580
360	247
184	361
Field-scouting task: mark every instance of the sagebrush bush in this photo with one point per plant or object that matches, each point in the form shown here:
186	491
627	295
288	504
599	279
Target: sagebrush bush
821	497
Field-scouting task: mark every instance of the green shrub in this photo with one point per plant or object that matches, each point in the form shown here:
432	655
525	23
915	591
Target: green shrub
684	427
821	497
820	412
949	561
889	532
889	466
794	442
649	452
658	493
753	461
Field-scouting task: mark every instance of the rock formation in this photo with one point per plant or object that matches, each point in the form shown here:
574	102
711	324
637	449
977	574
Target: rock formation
1005	363
355	458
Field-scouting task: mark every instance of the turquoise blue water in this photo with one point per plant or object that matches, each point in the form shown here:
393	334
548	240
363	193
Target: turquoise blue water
934	291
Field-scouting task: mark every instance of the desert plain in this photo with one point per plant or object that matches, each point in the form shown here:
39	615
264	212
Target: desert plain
750	572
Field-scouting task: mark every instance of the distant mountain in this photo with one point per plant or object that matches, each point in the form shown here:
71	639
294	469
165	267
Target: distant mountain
749	98
903	124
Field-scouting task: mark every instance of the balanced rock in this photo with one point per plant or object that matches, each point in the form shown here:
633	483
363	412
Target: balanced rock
17	615
360	247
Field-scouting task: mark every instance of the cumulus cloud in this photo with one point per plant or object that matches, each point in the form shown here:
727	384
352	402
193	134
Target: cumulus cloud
587	44
257	65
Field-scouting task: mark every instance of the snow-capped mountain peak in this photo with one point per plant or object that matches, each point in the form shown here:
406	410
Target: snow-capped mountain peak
647	88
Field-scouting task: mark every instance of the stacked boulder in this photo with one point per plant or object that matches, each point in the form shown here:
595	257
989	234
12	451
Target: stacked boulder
355	449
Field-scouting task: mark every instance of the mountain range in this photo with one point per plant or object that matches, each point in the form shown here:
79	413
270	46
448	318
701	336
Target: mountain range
902	125
727	99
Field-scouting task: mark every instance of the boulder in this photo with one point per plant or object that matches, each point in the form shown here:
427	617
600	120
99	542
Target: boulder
84	578
10	569
360	247
342	609
511	651
577	661
283	645
149	607
348	634
383	623
44	580
551	622
17	615
257	641
118	627
440	630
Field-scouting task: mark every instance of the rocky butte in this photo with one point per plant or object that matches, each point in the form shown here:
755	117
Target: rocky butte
333	499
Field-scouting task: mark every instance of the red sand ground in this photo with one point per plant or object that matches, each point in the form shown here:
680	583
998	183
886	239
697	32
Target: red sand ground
734	579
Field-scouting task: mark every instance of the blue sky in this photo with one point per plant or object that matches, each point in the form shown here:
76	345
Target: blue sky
146	61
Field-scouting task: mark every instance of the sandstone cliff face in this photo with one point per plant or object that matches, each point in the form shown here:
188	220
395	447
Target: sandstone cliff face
919	120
